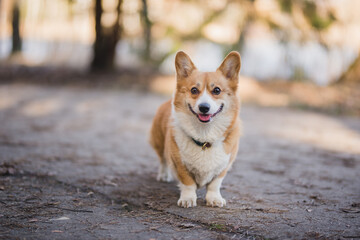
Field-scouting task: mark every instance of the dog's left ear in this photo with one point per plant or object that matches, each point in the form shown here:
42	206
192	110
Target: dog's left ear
231	65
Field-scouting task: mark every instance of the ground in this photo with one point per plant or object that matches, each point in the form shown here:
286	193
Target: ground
75	163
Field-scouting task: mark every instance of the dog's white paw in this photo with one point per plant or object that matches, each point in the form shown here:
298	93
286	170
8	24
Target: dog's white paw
187	202
214	199
187	196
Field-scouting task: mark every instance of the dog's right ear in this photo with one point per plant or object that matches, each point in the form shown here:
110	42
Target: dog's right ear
183	64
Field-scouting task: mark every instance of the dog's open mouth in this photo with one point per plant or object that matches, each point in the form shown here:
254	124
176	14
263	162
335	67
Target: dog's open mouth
206	117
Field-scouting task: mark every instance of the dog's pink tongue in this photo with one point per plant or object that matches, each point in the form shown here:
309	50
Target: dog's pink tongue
204	117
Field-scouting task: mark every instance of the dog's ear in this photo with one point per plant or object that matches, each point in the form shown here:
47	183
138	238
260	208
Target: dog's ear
183	64
231	65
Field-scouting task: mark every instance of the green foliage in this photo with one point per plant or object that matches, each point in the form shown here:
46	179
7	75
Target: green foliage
273	25
310	11
285	5
318	22
217	227
298	74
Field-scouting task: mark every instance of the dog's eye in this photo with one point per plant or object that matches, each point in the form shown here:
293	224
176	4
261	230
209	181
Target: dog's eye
194	90
216	91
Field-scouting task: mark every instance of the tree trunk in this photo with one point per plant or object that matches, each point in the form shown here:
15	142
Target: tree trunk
352	74
16	38
147	31
105	40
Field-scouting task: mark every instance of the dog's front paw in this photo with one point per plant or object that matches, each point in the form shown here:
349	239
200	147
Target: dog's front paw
187	202
214	199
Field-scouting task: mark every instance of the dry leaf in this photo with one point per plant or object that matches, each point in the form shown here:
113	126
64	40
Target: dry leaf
60	219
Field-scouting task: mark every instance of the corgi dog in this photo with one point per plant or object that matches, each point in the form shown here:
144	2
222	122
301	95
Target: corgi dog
196	133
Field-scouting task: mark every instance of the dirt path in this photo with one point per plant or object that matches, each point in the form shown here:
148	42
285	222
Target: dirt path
75	163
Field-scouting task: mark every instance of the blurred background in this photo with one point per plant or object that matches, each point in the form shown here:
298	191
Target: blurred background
302	53
81	80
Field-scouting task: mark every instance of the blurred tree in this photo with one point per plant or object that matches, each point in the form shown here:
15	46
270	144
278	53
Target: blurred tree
317	20
353	72
106	38
250	16
16	37
319	23
197	33
147	31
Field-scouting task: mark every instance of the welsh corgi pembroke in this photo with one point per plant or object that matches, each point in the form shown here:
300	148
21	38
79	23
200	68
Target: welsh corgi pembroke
196	133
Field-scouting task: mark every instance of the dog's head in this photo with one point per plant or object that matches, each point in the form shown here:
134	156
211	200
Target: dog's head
207	95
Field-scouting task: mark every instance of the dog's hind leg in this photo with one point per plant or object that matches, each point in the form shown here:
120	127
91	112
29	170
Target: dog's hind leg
164	174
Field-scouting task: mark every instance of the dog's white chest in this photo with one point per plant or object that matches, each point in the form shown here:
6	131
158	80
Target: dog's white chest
204	165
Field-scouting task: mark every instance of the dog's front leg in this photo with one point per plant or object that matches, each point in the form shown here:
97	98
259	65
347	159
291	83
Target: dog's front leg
187	195
187	185
213	196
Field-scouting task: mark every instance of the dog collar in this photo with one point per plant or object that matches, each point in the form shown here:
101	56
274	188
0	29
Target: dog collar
203	145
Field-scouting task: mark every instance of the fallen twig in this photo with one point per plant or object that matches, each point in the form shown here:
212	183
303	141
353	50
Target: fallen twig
72	210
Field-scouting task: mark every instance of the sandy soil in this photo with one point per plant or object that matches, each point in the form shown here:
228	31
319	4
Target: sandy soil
75	163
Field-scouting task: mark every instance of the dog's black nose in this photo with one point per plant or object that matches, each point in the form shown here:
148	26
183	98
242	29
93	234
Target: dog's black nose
204	107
